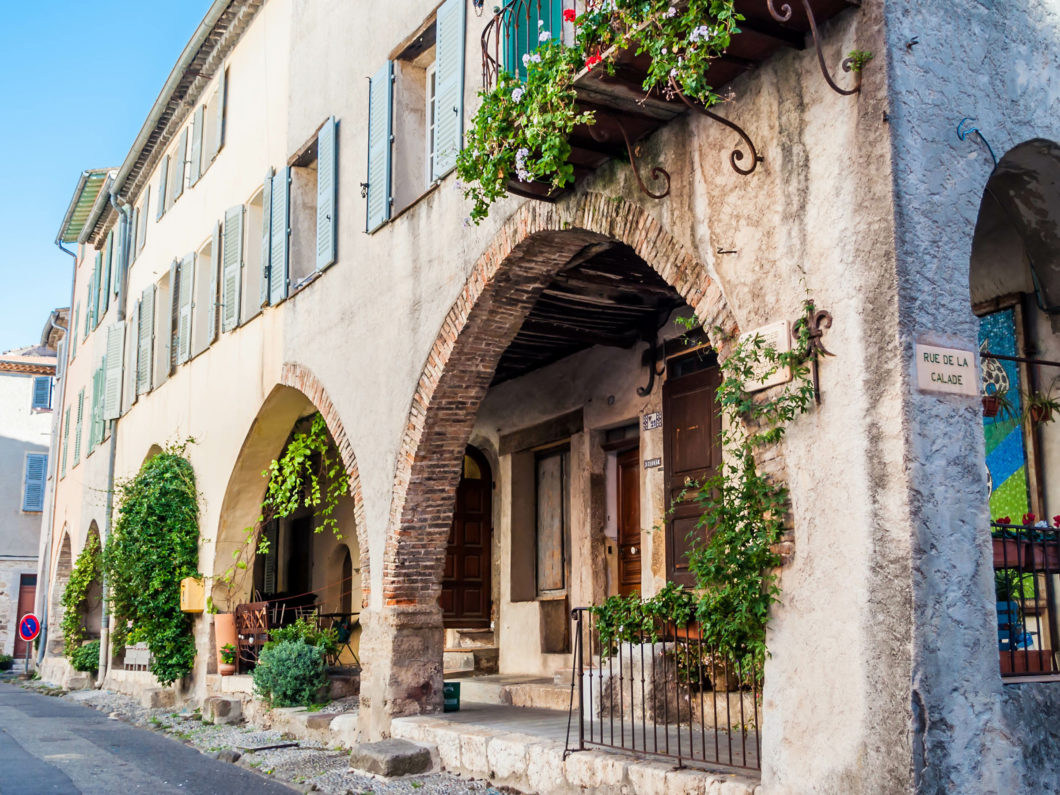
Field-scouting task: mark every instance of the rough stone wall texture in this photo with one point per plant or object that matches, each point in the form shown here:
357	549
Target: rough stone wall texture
990	61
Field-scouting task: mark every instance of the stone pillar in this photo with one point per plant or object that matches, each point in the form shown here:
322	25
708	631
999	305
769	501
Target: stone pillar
401	674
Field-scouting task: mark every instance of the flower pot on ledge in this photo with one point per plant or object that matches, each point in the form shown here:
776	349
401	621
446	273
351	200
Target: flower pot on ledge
1012	553
224	625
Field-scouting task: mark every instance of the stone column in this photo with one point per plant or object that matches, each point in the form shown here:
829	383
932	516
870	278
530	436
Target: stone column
401	659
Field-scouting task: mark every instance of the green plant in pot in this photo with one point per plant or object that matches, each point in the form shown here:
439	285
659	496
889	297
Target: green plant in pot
228	654
1041	407
998	404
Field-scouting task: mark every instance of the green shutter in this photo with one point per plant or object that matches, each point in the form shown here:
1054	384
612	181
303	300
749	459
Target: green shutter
215	281
80	425
280	230
33	488
327	184
145	340
134	354
163	176
449	91
266	240
108	266
231	262
219	124
196	143
73	330
66	443
380	137
93	294
134	233
121	250
180	166
184	304
113	378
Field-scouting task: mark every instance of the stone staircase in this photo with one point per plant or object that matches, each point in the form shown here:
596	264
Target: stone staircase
516	691
469	652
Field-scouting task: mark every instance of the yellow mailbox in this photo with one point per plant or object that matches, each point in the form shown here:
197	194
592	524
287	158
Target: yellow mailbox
192	594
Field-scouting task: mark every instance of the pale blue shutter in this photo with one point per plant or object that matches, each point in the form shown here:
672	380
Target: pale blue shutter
145	340
93	296
231	263
380	135
66	443
42	392
180	166
36	472
80	425
219	124
145	219
196	143
163	176
187	288
278	253
121	249
108	266
266	239
327	184
134	354
215	280
115	360
73	330
449	91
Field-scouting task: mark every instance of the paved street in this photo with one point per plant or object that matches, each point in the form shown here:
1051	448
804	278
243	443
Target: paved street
50	745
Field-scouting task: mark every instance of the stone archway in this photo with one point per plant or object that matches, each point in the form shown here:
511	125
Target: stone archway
298	394
60	576
531	247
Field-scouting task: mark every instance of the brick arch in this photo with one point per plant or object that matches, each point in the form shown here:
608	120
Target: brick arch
532	245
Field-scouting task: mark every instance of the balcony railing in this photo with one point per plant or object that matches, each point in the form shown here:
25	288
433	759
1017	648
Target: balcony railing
662	692
1026	579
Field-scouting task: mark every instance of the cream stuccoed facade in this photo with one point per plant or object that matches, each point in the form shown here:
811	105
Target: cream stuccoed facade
238	308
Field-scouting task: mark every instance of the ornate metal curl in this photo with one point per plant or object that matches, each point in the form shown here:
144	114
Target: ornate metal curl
816	322
650	357
736	155
657	172
784	15
785	11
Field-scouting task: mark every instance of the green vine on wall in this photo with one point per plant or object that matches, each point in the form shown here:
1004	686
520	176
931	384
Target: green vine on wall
88	569
521	129
309	473
743	517
152	547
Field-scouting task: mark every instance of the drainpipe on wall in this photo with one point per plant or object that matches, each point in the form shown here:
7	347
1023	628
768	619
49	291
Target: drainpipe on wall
48	522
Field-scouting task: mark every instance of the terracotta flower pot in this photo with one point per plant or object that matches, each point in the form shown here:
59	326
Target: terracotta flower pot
1011	553
1040	414
224	625
991	405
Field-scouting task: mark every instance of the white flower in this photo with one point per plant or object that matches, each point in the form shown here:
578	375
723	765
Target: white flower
671	12
535	58
517	95
526	58
541	23
665	51
702	32
544	36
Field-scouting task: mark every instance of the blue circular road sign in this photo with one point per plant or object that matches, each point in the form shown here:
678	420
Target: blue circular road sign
28	627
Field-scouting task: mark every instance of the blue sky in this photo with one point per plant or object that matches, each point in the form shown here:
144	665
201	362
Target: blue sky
77	80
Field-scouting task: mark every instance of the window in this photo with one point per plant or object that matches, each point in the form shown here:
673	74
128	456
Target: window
163	178
178	169
66	442
528	19
214	122
162	359
144	316
73	330
231	267
415	115
552	500
33	482
182	283
80	425
42	393
254	268
204	302
140	223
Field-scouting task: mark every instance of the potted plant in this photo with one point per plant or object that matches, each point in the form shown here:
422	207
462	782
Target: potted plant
1041	406
998	404
6	661
227	664
1011	548
224	625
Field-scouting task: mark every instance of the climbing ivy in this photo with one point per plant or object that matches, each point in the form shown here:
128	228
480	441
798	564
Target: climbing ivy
152	547
88	568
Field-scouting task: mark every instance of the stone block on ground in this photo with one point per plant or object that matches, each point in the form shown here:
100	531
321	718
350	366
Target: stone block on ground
390	758
158	698
217	709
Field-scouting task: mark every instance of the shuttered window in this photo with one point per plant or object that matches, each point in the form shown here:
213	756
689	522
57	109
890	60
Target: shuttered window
93	294
142	216
380	138
214	121
73	330
145	340
231	263
215	283
80	425
196	143
180	167
121	250
163	175
42	392
266	230
279	238
113	379
327	185
449	91
134	354
66	443
33	488
185	290
108	265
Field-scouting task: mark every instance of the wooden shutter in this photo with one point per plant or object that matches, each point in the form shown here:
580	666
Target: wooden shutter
121	249
218	132
266	240
134	234
215	280
80	425
42	392
380	138
449	91
279	269
93	411
327	184
231	262
73	330
180	166
66	443
115	362
33	491
196	143
163	176
141	236
93	295
145	340
134	354
108	268
184	305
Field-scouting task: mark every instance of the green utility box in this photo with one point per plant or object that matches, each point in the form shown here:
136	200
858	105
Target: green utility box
451	693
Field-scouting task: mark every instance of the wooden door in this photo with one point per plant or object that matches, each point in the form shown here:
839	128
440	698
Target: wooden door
466	599
27	592
629	542
692	449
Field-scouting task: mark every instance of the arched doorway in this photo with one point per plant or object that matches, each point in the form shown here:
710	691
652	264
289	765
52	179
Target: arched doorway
60	577
466	598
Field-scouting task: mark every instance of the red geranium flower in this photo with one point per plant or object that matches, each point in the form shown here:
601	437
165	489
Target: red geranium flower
1004	520
592	61
569	15
1028	518
1056	521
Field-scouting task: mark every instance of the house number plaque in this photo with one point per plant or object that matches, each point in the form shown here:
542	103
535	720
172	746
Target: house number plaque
652	463
650	422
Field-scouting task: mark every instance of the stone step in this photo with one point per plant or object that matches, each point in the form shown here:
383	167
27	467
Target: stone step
478	660
528	692
472	638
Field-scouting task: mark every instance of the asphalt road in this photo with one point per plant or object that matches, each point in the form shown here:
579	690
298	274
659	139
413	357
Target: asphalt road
49	745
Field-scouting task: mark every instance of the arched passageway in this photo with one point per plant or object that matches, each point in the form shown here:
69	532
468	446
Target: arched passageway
61	569
539	362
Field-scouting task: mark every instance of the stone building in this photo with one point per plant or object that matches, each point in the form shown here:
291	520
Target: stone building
285	237
27	376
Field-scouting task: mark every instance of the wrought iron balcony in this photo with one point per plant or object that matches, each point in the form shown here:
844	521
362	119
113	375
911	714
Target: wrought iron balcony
625	114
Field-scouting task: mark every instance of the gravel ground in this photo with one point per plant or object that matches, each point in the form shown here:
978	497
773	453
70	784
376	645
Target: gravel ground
308	767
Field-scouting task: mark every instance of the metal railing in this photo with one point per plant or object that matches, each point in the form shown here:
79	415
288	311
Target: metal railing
1026	582
662	691
515	30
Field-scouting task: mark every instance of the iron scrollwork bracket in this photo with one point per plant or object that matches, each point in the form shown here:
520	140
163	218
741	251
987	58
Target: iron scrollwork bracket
651	356
815	322
784	15
657	172
736	155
